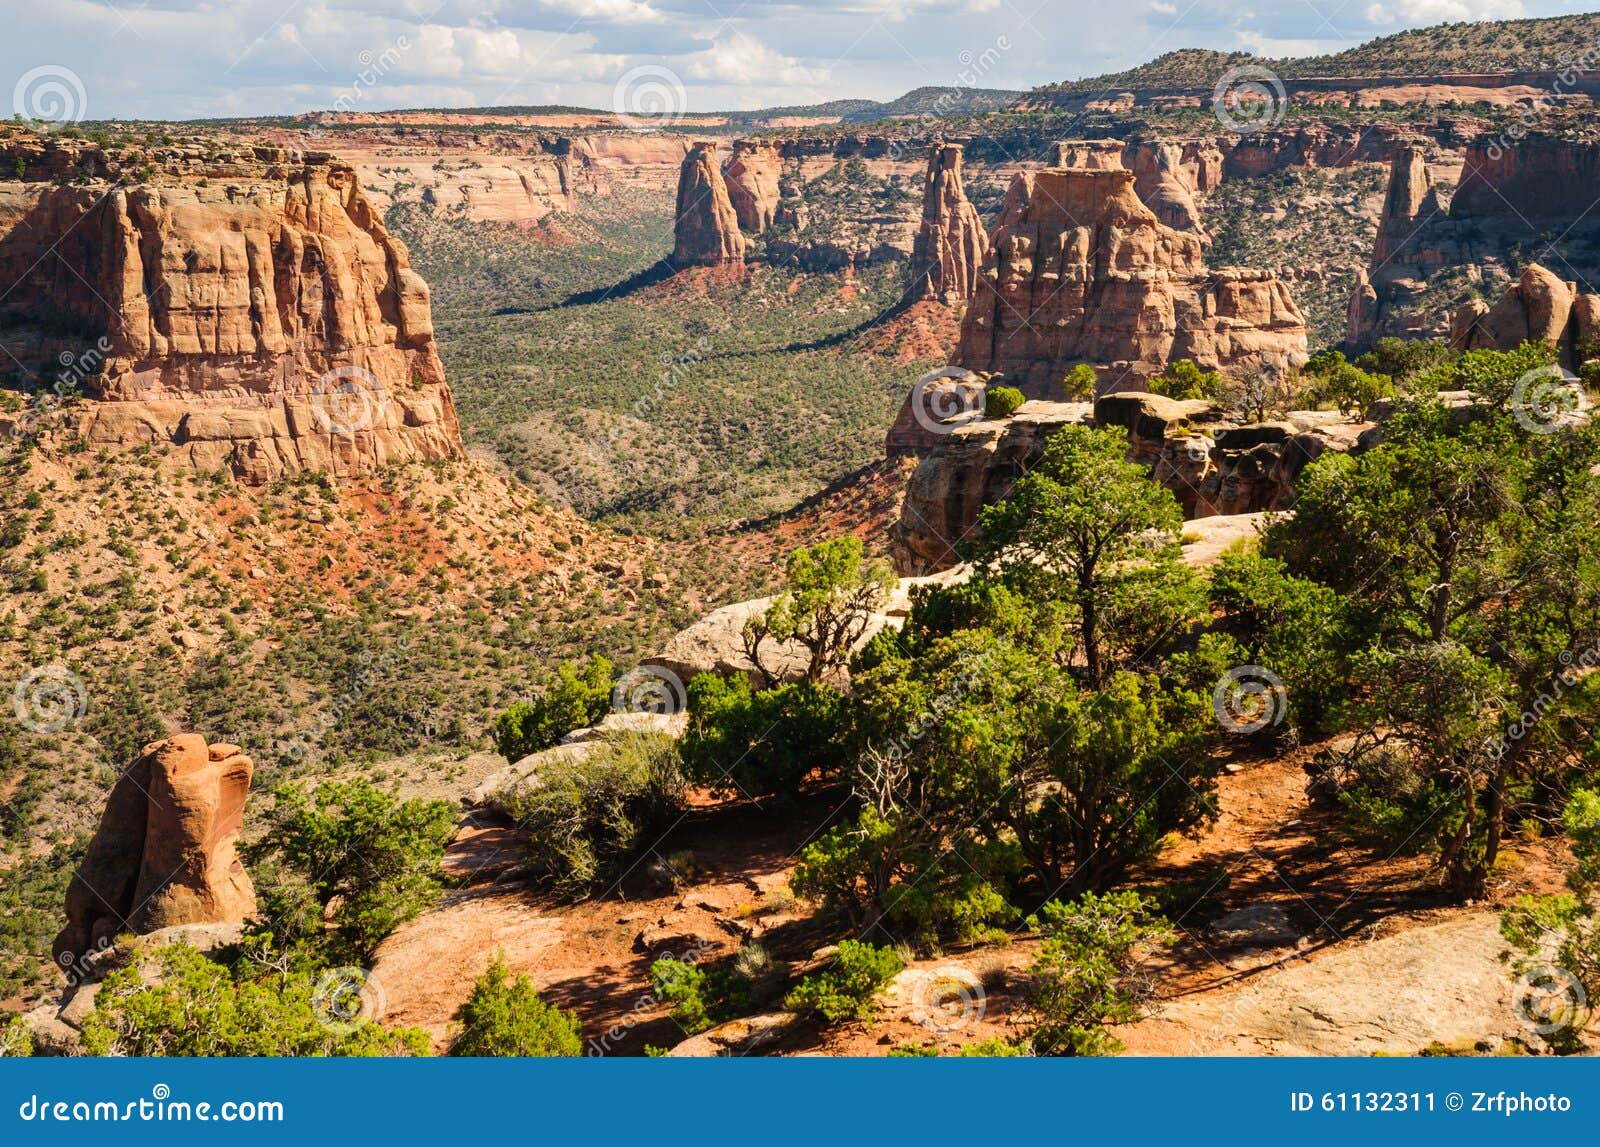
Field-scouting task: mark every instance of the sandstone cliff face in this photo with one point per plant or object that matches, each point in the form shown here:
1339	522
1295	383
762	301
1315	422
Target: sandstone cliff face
264	321
1081	271
1513	197
707	230
164	852
1538	306
752	177
951	241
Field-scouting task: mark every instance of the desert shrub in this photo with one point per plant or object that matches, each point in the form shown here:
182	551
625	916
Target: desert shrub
1085	975
700	997
1290	625
1388	796
16	1038
1330	380
579	696
590	813
833	591
368	858
845	989
887	868
1184	379
743	741
197	1007
996	1048
1404	360
1001	401
1561	931
1079	382
506	1017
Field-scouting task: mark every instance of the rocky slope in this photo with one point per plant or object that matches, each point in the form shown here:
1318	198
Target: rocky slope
250	311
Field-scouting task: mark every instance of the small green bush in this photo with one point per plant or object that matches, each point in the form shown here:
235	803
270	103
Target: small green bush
1183	379
995	1048
1079	382
580	696
1001	401
845	989
701	998
506	1017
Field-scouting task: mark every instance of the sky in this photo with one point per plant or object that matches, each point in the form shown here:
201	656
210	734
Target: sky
185	59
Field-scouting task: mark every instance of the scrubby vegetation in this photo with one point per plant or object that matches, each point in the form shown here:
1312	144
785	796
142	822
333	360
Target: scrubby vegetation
505	1017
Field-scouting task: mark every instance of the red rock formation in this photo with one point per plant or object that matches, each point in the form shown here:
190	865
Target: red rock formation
1081	271
951	242
264	320
164	852
752	177
1538	306
707	231
1166	176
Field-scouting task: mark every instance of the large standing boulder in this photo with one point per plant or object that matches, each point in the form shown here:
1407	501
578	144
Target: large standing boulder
164	852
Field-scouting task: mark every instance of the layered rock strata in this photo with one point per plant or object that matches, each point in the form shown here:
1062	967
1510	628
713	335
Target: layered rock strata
252	314
752	176
1080	270
706	233
1214	468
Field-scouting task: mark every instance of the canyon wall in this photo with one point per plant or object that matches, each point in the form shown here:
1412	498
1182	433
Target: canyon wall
249	310
752	176
1439	259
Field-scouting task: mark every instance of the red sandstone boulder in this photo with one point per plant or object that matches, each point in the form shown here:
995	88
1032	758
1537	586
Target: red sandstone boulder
164	852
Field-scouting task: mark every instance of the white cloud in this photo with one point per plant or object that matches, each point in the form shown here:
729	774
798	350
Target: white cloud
1415	13
742	59
1163	9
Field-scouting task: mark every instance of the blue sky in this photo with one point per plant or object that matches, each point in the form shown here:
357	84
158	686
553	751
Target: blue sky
194	58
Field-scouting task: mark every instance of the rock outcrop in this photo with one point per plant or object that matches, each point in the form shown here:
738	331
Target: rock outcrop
707	231
250	313
1538	306
752	177
1080	270
164	852
951	241
1216	469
